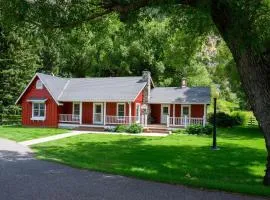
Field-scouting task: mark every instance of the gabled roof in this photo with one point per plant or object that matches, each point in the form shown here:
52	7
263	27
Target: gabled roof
103	89
176	95
118	89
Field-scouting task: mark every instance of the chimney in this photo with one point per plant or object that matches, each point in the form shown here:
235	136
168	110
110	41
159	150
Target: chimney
146	76
184	83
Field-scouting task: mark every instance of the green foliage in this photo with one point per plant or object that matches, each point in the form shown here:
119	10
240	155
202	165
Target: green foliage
178	131
133	128
245	117
225	120
10	119
121	129
197	129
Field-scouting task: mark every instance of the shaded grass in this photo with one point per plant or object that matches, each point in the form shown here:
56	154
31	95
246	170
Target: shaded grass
19	133
179	159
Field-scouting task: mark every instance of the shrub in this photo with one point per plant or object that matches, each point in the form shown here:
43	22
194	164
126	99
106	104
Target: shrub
207	129
135	128
197	129
225	120
245	117
121	128
194	129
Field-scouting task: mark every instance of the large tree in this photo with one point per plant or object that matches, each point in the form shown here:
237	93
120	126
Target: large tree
243	24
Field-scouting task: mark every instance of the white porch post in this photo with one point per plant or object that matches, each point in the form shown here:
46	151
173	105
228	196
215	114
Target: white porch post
204	114
185	121
174	114
104	113
168	121
129	112
81	113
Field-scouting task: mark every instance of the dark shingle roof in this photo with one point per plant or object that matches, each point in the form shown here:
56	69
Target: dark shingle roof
180	95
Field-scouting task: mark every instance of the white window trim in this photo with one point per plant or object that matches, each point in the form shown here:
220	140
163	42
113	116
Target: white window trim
102	108
38	118
39	85
124	108
73	105
189	109
138	114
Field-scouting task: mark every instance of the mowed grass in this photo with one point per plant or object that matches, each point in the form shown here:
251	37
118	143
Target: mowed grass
178	159
19	134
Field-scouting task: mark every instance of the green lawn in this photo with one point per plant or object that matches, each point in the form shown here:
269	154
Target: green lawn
22	133
182	159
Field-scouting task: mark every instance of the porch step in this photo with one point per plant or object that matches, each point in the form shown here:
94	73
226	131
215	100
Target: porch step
98	129
156	130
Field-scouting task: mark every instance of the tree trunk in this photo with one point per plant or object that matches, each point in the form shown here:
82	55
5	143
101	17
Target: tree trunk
253	65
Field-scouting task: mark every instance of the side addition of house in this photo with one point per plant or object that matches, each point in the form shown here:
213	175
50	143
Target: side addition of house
50	101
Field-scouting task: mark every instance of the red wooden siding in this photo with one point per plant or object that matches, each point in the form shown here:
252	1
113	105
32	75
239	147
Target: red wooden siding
197	110
111	109
52	110
67	108
155	113
177	110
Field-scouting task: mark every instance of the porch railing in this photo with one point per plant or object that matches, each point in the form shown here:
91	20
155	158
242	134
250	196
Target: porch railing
69	118
121	119
185	121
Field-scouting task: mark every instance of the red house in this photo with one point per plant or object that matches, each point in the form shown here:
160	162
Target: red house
51	101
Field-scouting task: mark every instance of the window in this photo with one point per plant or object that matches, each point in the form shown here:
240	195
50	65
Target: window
185	111
39	85
76	108
121	109
38	111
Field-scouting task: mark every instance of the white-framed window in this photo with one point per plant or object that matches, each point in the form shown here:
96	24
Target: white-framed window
121	109
38	111
76	108
185	110
39	85
138	112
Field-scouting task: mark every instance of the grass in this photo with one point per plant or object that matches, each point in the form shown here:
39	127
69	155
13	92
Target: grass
178	159
19	134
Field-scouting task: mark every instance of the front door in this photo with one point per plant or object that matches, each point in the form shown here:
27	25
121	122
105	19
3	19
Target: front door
98	113
165	111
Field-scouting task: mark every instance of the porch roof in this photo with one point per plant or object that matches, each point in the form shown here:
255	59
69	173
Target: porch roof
176	95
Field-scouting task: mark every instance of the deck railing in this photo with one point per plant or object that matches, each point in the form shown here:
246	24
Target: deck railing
121	119
69	118
185	121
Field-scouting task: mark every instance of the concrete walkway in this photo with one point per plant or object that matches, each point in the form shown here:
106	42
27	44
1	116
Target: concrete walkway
51	138
75	133
24	177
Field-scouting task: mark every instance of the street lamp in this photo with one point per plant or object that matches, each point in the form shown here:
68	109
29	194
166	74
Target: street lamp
214	147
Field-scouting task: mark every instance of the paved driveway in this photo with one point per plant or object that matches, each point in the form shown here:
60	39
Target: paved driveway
24	178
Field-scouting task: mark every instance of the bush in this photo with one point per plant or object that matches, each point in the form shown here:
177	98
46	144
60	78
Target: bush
207	129
197	129
121	128
194	129
245	117
135	128
225	120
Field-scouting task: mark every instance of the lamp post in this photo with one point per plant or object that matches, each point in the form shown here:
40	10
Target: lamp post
214	147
